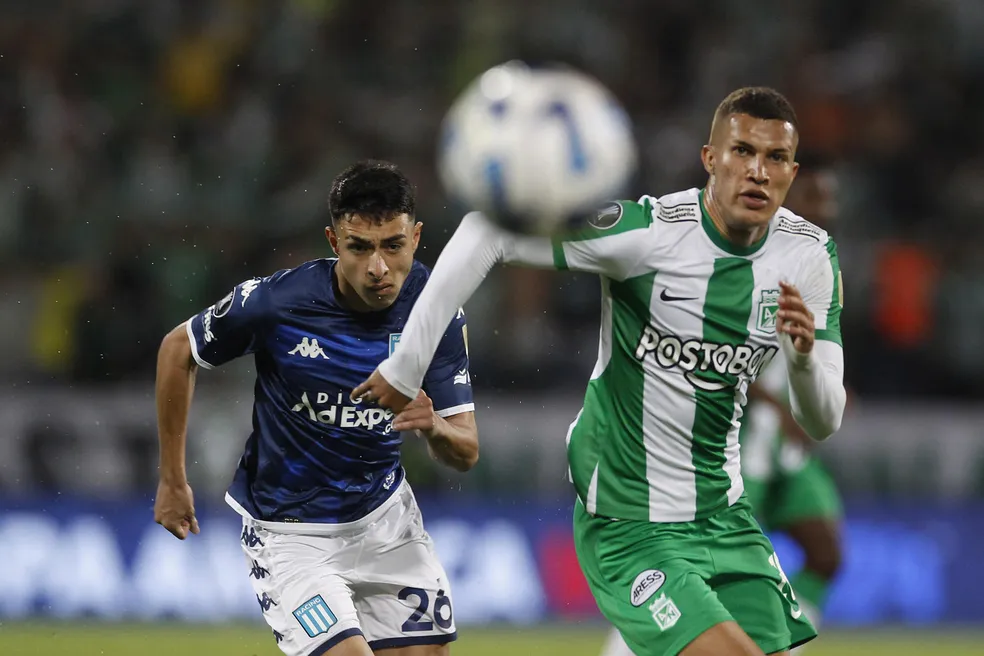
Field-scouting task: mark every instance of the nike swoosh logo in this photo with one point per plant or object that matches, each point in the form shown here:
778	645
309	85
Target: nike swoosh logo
663	296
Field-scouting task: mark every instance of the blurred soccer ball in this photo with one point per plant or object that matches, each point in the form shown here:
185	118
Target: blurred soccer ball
535	148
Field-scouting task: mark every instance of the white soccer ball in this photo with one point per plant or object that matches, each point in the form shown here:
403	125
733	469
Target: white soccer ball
535	148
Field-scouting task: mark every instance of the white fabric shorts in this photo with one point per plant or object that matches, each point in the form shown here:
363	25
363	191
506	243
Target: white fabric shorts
378	577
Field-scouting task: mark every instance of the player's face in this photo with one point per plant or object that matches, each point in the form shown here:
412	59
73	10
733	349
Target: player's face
374	259
750	164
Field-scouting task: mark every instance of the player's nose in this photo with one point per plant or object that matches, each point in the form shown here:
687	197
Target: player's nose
377	266
757	170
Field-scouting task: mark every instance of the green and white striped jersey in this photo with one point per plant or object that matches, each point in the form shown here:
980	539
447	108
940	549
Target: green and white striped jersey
688	322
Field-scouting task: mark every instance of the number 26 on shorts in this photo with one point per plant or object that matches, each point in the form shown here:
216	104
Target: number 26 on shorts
414	623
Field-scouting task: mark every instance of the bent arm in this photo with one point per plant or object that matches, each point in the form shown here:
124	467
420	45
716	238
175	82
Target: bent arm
176	369
454	441
816	386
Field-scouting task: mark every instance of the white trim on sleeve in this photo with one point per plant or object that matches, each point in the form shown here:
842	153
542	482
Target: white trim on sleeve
194	347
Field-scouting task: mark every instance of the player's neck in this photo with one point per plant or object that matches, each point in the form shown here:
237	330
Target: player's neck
737	236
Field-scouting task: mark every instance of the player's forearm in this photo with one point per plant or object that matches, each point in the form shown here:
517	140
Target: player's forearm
454	442
816	385
174	389
473	250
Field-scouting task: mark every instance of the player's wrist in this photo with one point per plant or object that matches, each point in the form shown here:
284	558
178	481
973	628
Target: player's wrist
173	478
439	433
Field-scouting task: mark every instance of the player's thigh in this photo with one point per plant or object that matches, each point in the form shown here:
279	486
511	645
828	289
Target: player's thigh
353	646
402	595
307	605
766	610
724	639
416	650
749	581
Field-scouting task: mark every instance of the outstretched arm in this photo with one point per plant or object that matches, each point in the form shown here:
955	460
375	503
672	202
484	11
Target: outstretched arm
174	507
476	246
613	249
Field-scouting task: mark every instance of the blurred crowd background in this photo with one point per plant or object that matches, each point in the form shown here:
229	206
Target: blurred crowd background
154	154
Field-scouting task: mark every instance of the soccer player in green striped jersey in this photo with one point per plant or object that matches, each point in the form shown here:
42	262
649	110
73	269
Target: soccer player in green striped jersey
700	289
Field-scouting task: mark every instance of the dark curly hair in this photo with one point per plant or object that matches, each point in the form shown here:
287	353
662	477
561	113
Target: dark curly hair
371	189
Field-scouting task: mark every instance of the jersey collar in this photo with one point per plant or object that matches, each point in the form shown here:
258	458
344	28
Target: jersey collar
719	240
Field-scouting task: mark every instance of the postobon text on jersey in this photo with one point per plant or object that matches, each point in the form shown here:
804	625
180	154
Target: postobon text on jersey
694	356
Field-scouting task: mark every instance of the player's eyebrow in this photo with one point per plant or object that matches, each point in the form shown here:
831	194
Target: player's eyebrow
772	151
359	241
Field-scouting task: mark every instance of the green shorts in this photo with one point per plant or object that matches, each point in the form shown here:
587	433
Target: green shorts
789	497
662	585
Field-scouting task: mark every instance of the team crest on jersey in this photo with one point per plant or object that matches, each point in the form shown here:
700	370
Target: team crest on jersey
394	340
768	308
606	217
315	616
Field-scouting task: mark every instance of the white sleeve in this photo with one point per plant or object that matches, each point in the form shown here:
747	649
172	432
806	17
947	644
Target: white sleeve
816	386
471	253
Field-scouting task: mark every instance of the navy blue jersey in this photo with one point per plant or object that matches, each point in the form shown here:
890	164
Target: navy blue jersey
313	455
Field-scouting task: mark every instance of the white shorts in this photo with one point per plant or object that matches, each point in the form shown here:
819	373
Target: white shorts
377	577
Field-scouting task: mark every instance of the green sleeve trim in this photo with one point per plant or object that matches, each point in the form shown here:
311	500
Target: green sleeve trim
609	221
833	330
830	336
559	258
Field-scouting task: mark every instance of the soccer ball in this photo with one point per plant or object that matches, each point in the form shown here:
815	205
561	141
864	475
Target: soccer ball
535	148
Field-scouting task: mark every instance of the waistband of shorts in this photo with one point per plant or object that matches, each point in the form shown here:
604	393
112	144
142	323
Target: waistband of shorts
316	528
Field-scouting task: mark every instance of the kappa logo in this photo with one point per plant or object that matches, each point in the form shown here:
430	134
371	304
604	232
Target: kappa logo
646	585
462	377
768	307
266	602
247	288
308	349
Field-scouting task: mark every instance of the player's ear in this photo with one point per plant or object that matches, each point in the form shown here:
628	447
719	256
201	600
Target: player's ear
415	240
707	158
332	238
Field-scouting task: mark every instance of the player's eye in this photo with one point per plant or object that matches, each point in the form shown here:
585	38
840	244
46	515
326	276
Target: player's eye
394	248
358	248
778	157
741	150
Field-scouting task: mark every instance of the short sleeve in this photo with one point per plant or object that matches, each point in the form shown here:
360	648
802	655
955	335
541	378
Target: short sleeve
231	327
612	242
448	381
823	293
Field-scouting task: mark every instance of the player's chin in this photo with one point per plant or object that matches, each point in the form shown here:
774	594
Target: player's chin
380	299
753	217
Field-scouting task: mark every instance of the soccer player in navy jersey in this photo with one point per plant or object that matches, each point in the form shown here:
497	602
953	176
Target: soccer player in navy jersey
335	546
